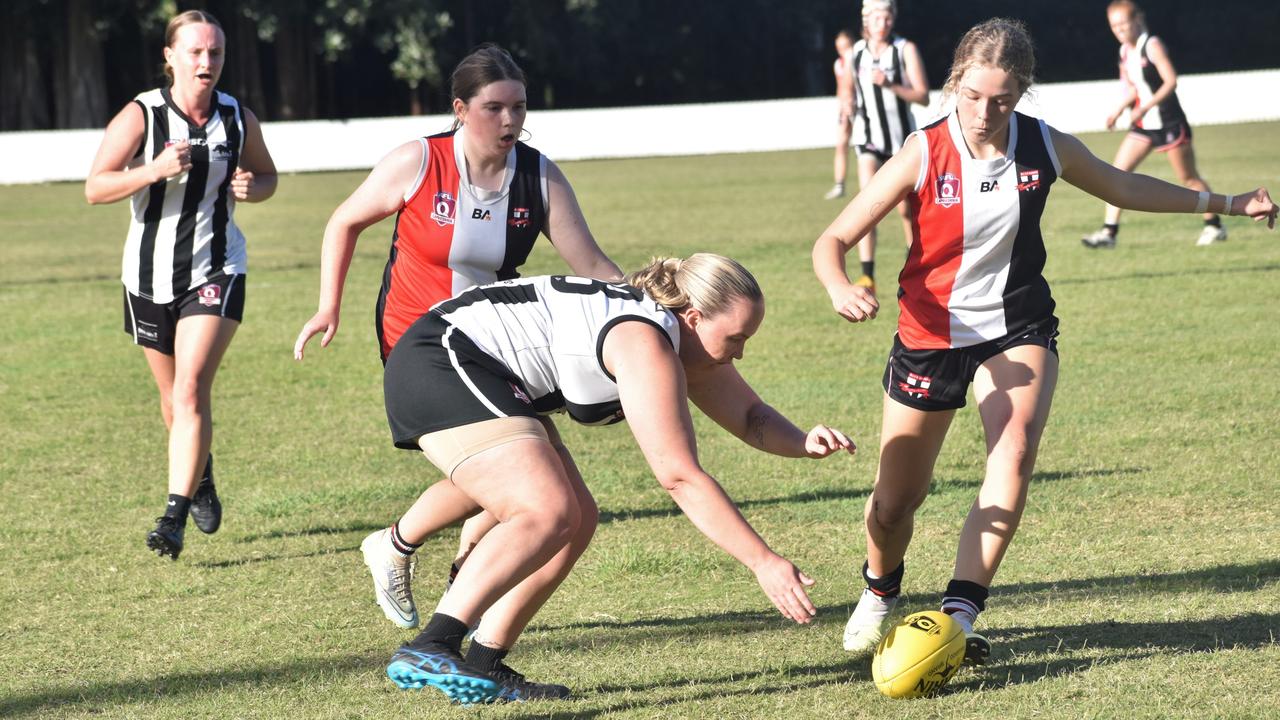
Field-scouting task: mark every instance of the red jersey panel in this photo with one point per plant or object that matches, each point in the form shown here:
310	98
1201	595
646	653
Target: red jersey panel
975	272
450	235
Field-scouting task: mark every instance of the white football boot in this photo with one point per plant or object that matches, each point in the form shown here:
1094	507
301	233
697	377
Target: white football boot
1210	235
1099	238
392	578
836	191
868	622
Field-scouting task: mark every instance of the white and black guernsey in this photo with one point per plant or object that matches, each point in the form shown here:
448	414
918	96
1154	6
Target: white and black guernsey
520	347
1137	69
182	232
883	120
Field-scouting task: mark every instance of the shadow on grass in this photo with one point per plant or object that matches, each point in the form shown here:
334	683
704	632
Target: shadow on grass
937	486
250	560
355	526
1129	640
97	697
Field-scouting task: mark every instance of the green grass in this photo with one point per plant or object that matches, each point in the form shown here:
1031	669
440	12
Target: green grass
1144	582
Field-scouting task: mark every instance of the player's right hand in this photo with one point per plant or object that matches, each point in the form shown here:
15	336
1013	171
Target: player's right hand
785	585
322	321
855	303
174	160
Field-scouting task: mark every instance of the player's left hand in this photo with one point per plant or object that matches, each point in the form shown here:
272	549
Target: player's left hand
823	441
878	77
1259	206
241	184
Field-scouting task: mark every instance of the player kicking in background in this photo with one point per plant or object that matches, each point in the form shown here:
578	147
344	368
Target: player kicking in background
1155	116
975	309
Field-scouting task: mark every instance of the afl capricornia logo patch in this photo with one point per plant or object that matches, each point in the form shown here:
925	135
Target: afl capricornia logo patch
443	208
947	192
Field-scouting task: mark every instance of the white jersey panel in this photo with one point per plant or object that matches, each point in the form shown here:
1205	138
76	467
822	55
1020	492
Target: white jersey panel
551	339
991	220
882	119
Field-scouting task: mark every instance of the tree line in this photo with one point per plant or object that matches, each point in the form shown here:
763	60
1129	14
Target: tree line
74	63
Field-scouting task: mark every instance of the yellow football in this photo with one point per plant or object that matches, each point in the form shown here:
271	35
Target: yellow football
918	655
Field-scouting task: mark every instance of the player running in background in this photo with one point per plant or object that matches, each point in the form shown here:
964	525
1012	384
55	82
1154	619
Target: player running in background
1155	117
467	383
184	154
470	205
844	111
887	76
975	309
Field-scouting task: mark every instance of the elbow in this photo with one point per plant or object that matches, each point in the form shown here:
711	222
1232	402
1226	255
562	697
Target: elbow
672	482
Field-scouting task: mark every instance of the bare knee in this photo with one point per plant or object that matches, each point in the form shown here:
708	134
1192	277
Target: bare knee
187	397
890	513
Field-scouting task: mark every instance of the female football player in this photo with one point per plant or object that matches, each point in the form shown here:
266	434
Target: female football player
974	309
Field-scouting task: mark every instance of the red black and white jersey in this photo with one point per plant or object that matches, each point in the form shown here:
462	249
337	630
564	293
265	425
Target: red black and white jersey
450	235
1141	74
975	271
883	120
549	332
182	232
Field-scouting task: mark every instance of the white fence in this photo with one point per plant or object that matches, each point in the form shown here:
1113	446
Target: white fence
695	129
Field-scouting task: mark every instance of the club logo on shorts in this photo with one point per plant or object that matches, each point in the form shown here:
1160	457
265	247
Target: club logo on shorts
1028	179
519	218
443	208
519	394
948	190
917	386
210	294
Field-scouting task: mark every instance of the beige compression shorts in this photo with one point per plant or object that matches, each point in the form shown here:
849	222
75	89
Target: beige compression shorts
449	448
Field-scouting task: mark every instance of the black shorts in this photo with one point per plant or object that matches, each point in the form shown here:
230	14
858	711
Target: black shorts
154	325
873	151
939	379
436	378
1166	138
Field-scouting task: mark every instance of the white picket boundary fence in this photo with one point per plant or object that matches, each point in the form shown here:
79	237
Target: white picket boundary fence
693	129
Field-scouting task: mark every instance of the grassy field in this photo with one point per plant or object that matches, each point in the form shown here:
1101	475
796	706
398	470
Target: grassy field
1144	583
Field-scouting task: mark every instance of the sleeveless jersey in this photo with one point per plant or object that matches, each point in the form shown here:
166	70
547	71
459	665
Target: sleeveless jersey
883	120
975	271
449	237
1137	69
549	332
182	233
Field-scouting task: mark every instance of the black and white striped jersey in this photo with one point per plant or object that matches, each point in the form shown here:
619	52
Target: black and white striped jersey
883	120
182	231
1137	69
549	332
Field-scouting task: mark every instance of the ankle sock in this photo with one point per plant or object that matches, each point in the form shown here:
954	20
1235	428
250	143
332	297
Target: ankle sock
1113	228
399	544
963	601
442	630
869	268
483	657
888	586
177	508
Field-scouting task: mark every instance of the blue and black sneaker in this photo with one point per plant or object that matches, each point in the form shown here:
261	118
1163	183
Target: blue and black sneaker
515	688
443	669
166	539
206	508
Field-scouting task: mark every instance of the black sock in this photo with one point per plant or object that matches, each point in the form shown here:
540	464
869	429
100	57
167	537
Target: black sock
1113	228
402	546
177	508
1213	222
482	657
869	268
886	586
442	630
208	470
965	596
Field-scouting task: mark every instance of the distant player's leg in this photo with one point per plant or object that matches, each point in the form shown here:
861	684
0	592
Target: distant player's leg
1014	391
909	445
844	129
868	165
199	344
1183	159
1134	148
